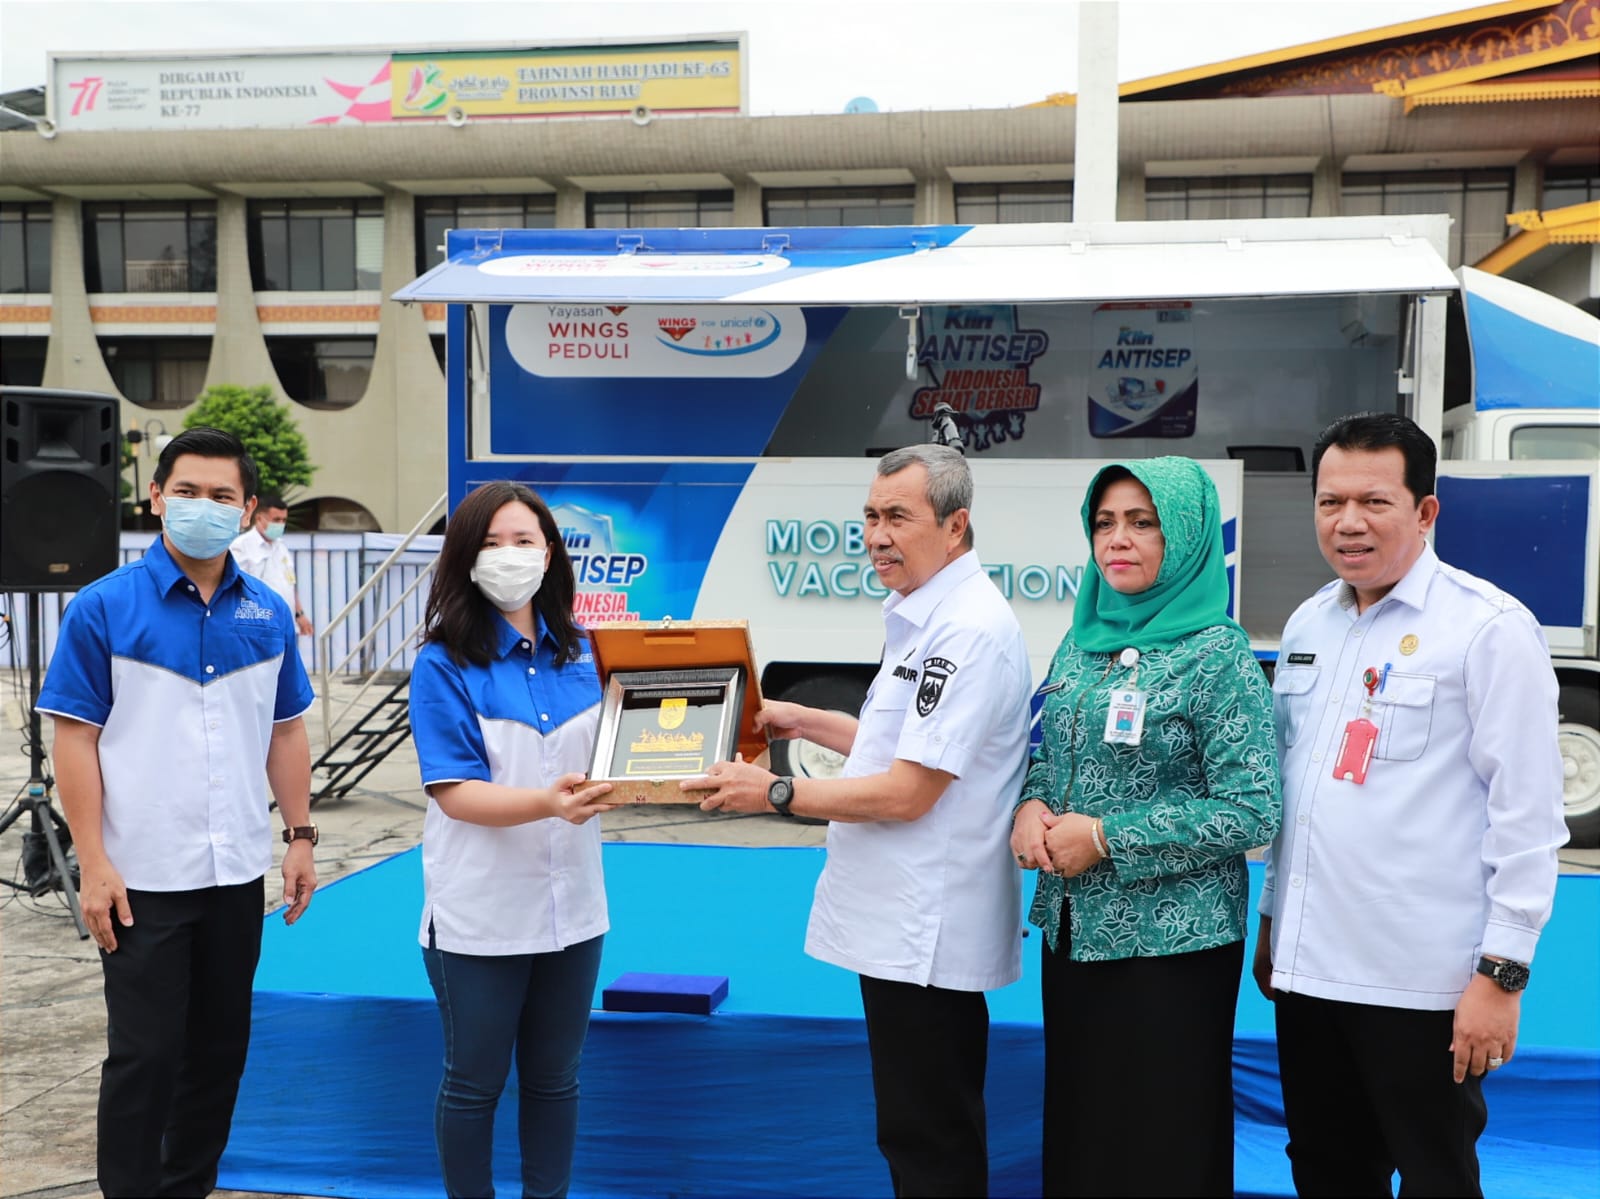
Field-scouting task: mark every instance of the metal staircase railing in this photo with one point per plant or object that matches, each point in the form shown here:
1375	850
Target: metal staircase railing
378	730
377	733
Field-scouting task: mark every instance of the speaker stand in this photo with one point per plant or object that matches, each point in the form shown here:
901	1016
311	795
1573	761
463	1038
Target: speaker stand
35	801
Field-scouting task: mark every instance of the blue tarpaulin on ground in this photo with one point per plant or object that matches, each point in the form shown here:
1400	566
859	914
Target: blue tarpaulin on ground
771	1093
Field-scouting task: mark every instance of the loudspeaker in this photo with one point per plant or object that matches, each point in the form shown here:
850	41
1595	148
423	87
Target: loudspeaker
59	501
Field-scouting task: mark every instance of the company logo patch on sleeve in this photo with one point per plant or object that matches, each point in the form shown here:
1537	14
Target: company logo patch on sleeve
1301	659
936	673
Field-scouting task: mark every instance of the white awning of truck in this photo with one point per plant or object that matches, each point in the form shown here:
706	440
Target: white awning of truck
904	265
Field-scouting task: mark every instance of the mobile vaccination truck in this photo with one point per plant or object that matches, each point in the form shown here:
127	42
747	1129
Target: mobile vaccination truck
701	408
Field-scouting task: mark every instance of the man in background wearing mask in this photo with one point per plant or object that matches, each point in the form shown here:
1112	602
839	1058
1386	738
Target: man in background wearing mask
260	551
175	685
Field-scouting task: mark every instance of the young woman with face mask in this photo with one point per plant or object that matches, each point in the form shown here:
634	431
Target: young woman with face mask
504	707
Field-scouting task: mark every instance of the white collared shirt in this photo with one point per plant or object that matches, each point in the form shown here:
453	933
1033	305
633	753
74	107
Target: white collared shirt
270	561
1388	892
936	901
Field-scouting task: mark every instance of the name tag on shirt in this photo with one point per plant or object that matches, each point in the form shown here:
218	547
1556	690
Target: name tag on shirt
1125	718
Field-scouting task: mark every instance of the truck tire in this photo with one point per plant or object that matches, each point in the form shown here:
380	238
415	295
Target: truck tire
831	692
1579	736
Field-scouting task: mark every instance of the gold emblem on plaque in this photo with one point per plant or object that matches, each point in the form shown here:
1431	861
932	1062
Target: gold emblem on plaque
672	711
1408	644
667	743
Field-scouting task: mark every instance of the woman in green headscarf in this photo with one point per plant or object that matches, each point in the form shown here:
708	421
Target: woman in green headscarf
1156	771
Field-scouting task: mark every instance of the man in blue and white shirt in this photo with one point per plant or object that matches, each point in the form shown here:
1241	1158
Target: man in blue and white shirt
177	696
1416	866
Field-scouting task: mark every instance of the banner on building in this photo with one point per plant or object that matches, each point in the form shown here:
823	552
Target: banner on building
673	78
126	92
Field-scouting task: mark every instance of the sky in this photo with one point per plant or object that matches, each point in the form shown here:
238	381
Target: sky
803	57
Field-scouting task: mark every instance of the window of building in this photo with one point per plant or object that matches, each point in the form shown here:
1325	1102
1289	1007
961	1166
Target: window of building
1008	203
323	372
438	214
1571	185
150	245
316	245
439	342
1477	200
158	372
839	205
25	248
22	361
660	210
1227	197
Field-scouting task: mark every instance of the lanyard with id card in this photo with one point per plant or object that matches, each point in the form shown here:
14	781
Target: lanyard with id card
1125	716
1360	735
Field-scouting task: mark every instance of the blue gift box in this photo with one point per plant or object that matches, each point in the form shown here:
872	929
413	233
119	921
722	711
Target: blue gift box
696	994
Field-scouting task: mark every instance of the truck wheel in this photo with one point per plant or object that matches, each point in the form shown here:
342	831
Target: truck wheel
831	692
1579	737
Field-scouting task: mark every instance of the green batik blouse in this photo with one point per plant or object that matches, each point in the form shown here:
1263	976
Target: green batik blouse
1180	808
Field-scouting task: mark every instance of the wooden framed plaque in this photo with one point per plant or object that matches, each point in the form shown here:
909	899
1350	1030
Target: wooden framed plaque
677	698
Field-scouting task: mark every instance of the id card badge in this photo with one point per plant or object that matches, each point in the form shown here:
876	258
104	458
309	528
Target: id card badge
1355	751
1125	719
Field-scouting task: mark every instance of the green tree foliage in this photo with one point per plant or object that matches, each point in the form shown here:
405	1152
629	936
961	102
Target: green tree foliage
266	428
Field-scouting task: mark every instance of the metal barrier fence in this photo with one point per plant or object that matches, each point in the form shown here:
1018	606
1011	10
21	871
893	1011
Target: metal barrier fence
330	567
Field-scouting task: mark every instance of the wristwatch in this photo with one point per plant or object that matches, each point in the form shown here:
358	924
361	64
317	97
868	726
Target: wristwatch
303	832
1508	976
781	794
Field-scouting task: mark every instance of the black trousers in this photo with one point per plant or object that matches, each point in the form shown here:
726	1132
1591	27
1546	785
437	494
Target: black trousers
1138	1069
1367	1091
177	1030
930	1050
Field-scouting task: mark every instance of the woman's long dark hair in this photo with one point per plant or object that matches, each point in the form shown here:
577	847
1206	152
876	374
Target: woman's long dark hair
459	617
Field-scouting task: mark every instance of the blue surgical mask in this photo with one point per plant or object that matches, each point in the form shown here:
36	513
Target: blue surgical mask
200	529
273	531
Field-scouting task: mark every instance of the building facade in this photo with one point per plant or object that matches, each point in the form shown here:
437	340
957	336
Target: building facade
153	262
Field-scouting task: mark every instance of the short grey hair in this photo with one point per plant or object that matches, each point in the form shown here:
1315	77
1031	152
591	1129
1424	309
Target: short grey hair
949	477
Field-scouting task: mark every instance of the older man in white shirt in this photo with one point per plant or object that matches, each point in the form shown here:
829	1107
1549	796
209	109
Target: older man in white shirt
1416	866
920	895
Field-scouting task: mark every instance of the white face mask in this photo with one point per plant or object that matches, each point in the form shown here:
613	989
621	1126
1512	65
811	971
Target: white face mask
510	575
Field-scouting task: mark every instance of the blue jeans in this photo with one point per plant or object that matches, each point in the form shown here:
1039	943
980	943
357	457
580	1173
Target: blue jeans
538	1005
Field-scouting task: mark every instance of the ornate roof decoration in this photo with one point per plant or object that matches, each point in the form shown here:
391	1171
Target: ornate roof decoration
1455	58
1574	225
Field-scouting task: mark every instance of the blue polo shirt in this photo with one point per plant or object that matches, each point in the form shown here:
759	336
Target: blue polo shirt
185	695
521	721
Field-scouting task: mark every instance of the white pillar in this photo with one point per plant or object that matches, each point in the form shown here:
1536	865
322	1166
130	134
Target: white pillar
1094	175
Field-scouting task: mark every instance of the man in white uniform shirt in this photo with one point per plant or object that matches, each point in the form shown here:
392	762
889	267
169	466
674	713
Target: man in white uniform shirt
260	551
1416	865
920	895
